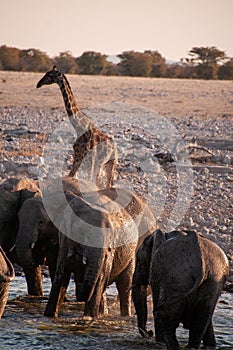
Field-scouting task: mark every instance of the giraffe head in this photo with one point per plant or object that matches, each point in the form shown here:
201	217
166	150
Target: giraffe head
51	77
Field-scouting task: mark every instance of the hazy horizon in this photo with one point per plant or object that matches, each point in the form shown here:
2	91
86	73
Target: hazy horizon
171	27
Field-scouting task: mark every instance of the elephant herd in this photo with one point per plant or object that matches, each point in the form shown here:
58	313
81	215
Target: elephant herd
105	236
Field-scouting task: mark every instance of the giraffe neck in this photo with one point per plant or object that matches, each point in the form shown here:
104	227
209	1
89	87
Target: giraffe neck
68	97
78	119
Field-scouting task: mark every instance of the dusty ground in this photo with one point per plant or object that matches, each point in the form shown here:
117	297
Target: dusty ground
201	111
169	97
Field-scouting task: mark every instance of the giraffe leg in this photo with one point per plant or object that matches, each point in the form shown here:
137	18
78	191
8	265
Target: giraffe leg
76	162
110	169
74	169
99	176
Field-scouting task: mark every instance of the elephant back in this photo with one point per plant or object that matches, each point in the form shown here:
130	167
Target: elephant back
177	267
216	262
135	206
98	224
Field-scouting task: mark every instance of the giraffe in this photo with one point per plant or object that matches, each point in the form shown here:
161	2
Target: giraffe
89	137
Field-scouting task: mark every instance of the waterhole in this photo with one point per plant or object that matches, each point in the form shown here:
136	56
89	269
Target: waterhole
24	327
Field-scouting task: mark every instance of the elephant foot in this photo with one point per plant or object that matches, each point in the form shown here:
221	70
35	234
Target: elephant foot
49	312
87	318
146	334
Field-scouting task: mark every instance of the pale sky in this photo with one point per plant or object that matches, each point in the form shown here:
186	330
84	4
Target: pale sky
172	27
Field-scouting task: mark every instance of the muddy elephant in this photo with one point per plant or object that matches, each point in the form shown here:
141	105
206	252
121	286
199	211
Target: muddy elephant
37	243
99	238
13	192
186	272
7	274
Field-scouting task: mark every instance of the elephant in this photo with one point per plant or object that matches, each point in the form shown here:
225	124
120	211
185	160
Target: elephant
13	193
36	241
36	244
7	274
186	272
99	235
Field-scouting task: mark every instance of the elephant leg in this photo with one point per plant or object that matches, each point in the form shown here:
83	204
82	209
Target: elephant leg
57	295
51	260
158	334
198	329
201	325
123	284
165	330
209	338
170	339
34	280
103	309
167	320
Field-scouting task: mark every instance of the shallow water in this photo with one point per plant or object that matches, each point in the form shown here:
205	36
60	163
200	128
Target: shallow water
23	325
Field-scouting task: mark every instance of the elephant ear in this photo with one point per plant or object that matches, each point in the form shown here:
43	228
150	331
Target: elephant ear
8	205
178	267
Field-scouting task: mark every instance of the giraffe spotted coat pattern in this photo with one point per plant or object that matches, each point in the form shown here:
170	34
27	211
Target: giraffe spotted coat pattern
93	147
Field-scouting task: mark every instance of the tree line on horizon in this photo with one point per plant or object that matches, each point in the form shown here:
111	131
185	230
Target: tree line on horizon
201	63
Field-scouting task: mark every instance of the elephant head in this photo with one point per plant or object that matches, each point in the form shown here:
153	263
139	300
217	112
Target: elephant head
88	227
13	193
35	228
7	274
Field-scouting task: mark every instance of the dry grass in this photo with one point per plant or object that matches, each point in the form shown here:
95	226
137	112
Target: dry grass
28	147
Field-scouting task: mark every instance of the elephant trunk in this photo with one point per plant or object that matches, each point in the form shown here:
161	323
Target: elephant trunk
139	294
24	246
31	216
94	259
26	239
25	259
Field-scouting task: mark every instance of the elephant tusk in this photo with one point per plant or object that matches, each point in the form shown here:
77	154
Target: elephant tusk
84	260
12	248
32	245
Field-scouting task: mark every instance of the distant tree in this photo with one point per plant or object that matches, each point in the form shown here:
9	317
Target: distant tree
66	62
32	60
91	62
206	60
174	70
207	55
9	58
135	64
111	69
225	71
158	63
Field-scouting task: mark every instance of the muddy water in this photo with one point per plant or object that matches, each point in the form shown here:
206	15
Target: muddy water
24	326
